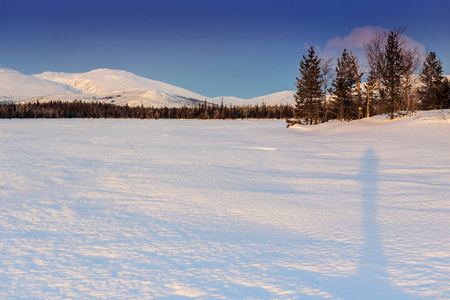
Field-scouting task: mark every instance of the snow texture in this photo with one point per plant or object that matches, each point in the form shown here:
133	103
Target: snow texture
165	209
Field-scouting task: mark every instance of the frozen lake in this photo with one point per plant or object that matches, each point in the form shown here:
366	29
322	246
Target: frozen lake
139	209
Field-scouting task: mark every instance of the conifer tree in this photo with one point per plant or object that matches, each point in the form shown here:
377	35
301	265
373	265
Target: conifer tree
358	74
342	85
309	89
390	90
434	92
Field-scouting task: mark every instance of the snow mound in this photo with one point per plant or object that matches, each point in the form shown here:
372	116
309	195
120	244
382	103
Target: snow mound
380	122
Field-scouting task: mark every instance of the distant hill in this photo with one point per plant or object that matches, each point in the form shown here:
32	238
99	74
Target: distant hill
112	86
107	80
284	97
15	86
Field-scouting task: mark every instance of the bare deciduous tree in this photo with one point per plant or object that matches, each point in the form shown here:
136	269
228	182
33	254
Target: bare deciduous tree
409	62
326	65
376	62
412	60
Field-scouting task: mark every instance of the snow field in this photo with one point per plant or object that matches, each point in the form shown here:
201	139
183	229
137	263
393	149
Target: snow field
138	209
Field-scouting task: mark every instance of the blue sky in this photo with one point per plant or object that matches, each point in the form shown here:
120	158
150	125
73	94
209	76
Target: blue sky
243	48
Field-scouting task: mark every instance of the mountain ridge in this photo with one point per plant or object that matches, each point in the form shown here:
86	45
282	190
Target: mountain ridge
15	86
112	86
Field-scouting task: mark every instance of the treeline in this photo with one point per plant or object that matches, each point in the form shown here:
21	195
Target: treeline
99	110
394	80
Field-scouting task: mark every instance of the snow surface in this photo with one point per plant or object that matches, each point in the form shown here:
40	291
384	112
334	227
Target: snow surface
140	209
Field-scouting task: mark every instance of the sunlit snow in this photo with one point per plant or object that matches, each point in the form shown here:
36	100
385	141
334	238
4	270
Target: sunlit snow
139	209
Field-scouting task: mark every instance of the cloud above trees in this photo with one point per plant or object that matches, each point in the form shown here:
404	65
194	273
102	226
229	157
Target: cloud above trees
355	42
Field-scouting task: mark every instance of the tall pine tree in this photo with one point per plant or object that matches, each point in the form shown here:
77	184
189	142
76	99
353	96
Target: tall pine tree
309	90
434	93
342	86
390	90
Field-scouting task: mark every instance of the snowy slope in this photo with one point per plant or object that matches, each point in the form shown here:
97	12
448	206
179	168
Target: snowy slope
284	97
15	86
147	98
146	209
103	80
111	86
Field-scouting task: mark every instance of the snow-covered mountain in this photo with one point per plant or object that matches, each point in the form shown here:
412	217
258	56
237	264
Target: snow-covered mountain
284	97
120	87
112	86
15	86
105	80
147	98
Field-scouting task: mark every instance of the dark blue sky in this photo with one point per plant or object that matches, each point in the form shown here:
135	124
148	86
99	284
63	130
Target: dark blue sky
243	48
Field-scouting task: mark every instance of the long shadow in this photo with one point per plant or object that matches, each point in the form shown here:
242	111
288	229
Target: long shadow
371	280
372	266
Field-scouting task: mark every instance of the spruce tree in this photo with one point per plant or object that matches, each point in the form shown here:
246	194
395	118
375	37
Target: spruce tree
434	93
445	93
309	90
390	90
341	87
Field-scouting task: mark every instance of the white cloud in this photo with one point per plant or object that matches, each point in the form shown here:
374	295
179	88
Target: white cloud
355	39
355	42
